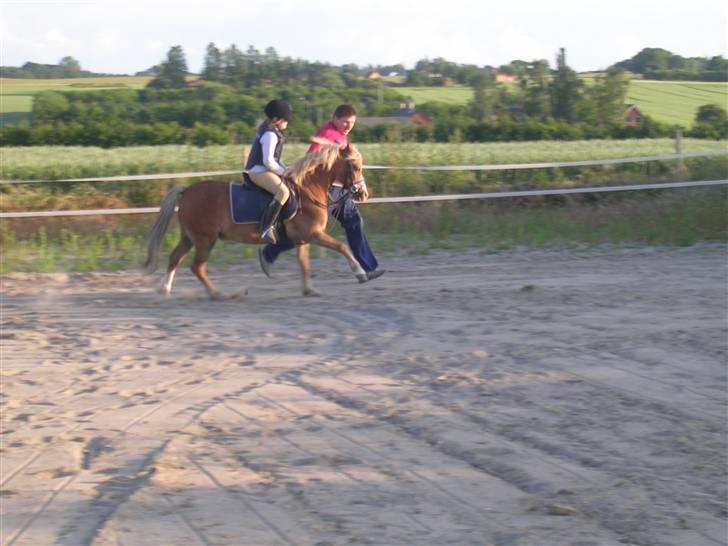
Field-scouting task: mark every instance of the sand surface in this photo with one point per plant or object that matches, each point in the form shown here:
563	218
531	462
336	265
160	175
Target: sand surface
524	398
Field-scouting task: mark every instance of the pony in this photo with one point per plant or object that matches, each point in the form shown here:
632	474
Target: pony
204	217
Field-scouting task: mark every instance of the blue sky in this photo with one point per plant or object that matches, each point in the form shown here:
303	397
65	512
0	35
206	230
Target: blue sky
129	36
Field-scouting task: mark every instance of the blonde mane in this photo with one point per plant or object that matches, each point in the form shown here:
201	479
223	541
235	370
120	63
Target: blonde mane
325	157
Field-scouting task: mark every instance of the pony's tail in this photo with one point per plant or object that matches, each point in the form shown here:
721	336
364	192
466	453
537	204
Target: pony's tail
166	210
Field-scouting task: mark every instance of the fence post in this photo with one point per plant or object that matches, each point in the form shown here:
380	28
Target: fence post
678	150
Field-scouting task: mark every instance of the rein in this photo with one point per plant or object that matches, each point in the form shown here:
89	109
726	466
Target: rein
325	205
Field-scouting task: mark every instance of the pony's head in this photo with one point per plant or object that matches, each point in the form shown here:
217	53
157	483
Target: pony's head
344	163
351	167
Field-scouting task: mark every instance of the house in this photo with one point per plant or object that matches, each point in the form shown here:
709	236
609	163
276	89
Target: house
501	77
374	75
632	116
504	78
406	114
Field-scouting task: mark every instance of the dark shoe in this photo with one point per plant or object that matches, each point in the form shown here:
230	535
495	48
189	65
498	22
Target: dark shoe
371	275
268	222
264	263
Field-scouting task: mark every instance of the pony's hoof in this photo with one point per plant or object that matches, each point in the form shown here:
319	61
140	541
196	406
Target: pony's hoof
240	294
217	296
362	278
162	290
311	292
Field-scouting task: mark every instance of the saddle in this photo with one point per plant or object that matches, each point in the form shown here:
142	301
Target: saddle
248	201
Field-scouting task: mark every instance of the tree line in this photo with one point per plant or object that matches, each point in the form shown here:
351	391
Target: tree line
660	64
225	105
67	67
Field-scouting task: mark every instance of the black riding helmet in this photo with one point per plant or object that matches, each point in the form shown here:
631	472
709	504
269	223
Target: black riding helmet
278	109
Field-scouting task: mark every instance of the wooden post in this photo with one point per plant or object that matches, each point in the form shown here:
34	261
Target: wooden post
678	150
244	155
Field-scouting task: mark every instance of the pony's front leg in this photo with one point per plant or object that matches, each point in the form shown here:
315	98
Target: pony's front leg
302	253
325	240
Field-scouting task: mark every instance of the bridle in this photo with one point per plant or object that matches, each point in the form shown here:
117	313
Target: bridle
350	182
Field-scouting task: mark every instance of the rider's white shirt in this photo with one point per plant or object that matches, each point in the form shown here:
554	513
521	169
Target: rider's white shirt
268	142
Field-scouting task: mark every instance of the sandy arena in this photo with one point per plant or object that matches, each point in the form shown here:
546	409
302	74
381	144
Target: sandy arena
523	398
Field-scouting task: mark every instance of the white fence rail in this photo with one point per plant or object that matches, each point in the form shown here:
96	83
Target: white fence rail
408	199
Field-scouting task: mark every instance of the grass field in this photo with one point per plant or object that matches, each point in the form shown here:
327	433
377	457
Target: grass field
676	102
16	94
56	162
670	217
668	102
52	163
457	94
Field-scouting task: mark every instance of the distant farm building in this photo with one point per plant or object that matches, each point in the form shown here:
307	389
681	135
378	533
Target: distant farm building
439	79
501	77
632	116
406	114
505	78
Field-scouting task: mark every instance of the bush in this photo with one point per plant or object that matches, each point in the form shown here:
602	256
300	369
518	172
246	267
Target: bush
203	135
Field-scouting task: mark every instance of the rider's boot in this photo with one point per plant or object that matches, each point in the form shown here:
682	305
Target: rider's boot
268	221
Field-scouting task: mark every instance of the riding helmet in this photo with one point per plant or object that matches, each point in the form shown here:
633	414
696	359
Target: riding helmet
278	109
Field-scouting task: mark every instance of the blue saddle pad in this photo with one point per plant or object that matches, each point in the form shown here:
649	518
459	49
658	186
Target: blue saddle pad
247	203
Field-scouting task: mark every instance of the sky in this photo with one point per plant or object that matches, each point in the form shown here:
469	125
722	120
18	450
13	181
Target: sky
112	36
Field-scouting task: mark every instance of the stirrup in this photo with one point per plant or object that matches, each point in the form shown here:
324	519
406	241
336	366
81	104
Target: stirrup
268	222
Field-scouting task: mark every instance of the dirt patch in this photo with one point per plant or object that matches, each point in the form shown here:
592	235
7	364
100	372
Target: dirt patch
536	398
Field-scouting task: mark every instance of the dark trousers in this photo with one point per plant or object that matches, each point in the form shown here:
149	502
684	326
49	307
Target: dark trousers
343	208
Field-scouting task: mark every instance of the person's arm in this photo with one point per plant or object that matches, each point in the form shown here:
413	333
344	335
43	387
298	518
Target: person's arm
360	193
324	136
269	141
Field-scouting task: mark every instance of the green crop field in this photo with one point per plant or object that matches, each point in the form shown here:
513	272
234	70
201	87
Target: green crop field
57	162
16	95
456	94
676	102
669	102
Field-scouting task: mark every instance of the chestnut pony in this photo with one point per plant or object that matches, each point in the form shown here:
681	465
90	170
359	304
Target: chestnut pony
204	217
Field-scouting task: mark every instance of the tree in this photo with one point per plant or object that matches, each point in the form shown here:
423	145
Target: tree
235	65
711	114
648	60
49	106
70	66
565	90
536	88
711	121
173	71
608	95
213	68
482	105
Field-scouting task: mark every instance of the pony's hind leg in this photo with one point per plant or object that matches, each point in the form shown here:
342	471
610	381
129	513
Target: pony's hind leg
199	266
177	255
